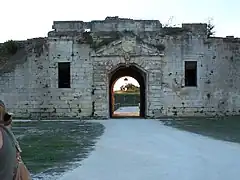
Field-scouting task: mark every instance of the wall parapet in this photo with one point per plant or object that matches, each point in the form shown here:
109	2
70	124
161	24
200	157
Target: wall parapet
116	24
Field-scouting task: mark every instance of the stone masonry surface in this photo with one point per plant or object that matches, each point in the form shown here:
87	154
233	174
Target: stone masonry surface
29	78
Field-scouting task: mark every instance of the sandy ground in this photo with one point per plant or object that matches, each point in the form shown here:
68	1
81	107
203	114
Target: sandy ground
135	149
127	111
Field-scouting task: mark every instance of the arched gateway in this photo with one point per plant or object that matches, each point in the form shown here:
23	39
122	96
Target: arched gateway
127	57
137	74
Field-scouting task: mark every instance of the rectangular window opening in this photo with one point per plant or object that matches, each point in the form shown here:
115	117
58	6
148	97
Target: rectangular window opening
190	73
64	75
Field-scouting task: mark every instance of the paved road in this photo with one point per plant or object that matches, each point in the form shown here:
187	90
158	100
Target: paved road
134	149
127	111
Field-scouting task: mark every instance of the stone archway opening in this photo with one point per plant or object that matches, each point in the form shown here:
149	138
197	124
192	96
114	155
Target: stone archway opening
126	97
140	77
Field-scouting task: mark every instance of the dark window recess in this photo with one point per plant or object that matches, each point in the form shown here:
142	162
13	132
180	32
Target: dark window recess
64	75
190	73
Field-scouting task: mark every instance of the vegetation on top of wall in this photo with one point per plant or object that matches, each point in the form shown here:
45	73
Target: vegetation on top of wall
86	38
210	31
170	29
15	52
210	28
11	53
9	48
173	31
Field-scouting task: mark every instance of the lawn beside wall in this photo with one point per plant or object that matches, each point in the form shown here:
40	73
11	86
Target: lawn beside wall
52	147
222	128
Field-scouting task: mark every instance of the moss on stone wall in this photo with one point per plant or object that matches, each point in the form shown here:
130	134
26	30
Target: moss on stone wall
16	52
173	31
9	48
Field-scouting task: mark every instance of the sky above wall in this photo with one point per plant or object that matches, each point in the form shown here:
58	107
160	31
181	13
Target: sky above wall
23	19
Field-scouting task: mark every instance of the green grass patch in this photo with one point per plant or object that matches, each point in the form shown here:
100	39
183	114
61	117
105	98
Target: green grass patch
55	145
223	128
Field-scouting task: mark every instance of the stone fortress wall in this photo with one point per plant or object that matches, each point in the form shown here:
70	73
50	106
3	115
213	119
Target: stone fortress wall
29	78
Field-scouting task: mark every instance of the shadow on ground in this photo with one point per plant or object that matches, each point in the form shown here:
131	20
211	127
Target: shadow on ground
222	128
53	147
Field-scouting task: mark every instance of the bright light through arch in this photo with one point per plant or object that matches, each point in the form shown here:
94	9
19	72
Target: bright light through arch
123	81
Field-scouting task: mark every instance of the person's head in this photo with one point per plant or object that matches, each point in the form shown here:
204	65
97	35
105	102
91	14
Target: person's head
5	118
